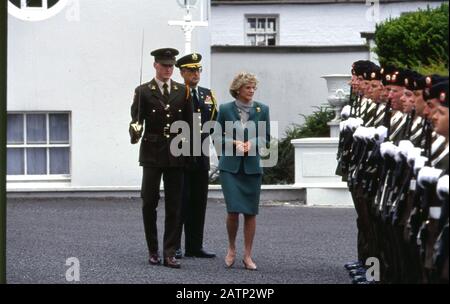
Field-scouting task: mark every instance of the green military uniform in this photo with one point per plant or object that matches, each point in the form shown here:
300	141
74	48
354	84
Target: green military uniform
156	109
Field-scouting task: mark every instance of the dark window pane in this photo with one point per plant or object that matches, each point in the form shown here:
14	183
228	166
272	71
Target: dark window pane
15	163
37	161
261	25
51	3
15	129
272	24
271	40
59	161
36	129
252	24
59	128
15	2
34	3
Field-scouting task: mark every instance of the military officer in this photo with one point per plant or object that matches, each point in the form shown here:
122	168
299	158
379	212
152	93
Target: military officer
196	175
156	106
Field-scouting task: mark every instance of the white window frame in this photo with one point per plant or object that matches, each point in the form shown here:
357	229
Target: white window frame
47	146
248	33
36	13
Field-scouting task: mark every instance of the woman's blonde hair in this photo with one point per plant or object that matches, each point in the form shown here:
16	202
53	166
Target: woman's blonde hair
240	80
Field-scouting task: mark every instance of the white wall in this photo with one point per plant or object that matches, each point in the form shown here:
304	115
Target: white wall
91	68
290	83
306	24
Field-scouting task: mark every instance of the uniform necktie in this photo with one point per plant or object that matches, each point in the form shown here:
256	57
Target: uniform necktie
195	99
166	91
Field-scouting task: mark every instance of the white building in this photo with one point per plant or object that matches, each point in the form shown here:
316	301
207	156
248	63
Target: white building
290	44
71	80
73	66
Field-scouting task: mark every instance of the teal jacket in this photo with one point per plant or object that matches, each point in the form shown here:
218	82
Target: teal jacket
258	136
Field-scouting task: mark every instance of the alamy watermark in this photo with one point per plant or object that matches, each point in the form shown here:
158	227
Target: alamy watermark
373	270
73	272
227	141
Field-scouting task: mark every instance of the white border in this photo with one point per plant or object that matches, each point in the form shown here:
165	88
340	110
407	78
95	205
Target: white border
33	14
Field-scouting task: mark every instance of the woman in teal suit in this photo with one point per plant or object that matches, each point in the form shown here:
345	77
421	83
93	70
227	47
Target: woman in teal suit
243	127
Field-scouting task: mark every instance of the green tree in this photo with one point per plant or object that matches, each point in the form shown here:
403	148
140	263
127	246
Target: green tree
416	40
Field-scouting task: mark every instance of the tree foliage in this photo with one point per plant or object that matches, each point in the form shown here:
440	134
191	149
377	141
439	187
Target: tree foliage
415	40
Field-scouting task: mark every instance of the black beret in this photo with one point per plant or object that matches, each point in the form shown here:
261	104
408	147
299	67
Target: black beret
406	79
410	80
386	73
375	73
360	66
421	83
438	91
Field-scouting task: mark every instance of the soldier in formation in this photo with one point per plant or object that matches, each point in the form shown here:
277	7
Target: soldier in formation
393	154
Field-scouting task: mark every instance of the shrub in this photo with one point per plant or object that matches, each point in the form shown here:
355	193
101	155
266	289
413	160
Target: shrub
416	40
315	125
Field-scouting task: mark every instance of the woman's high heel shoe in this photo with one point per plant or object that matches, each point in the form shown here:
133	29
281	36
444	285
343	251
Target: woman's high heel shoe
229	262
249	267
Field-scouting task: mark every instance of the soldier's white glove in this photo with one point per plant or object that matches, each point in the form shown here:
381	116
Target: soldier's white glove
342	125
369	134
359	132
413	154
419	163
353	123
345	113
442	187
380	134
388	149
428	176
404	146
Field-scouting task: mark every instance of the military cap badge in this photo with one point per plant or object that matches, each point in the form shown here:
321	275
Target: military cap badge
442	97
428	80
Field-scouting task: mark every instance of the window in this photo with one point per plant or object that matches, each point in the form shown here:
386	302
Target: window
38	146
35	10
261	30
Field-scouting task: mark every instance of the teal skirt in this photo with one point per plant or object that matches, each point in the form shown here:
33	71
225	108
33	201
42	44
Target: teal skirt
241	191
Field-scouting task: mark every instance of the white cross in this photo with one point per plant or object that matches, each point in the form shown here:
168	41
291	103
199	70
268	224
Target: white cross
188	26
